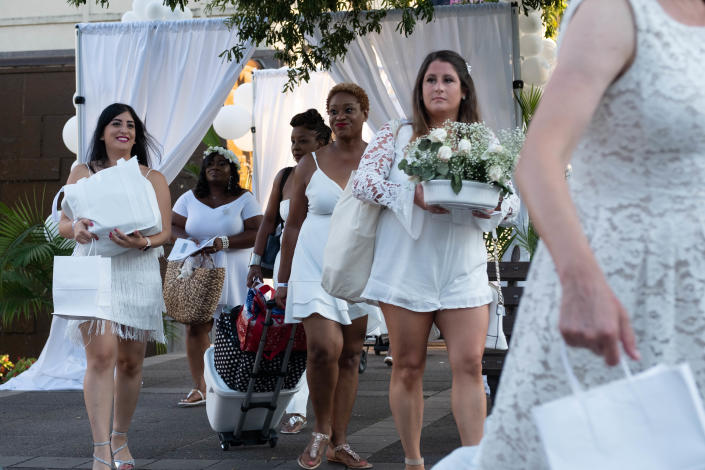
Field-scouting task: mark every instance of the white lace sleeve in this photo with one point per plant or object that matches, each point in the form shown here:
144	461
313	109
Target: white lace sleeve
372	184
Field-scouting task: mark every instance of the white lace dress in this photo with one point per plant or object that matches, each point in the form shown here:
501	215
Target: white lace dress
638	184
423	262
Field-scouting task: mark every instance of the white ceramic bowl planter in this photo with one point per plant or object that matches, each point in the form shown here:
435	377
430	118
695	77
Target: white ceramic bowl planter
473	195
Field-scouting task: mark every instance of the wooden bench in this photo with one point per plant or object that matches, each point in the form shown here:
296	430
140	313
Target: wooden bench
512	272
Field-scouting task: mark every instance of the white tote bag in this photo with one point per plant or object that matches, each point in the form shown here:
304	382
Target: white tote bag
348	255
81	286
117	197
650	421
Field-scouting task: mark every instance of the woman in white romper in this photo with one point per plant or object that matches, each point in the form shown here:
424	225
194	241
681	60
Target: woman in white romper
217	207
115	348
621	259
309	132
429	265
335	330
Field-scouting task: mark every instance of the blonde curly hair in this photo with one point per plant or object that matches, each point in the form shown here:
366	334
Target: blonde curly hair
354	90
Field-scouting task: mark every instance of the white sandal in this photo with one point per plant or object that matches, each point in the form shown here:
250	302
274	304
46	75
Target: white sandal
185	403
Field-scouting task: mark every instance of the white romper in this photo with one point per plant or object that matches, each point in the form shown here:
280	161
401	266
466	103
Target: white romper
423	262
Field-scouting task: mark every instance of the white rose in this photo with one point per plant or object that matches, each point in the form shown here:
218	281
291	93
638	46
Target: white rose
437	135
444	153
464	147
495	148
495	173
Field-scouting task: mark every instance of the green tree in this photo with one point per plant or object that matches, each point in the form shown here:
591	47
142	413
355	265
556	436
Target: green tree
287	26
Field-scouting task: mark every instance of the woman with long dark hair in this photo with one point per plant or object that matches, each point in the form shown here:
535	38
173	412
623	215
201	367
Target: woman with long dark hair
429	265
115	348
217	207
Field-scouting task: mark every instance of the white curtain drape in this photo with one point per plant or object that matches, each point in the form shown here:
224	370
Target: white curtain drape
168	71
273	110
481	33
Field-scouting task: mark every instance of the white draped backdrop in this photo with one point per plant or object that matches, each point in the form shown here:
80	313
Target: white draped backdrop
168	71
481	33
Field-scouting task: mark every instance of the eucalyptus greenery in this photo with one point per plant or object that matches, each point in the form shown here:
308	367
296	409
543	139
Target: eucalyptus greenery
28	245
288	27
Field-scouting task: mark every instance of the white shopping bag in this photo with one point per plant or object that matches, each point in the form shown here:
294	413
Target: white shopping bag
81	287
650	421
117	197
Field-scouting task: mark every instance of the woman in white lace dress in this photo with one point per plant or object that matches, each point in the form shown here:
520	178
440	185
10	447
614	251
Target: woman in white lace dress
335	330
429	265
621	260
115	348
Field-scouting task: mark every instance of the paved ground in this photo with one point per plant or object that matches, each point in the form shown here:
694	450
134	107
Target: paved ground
49	430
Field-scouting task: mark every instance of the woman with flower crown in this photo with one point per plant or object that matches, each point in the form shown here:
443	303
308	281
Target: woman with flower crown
217	207
429	265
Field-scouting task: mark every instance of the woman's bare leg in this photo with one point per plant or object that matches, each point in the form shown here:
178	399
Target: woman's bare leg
408	336
197	341
464	331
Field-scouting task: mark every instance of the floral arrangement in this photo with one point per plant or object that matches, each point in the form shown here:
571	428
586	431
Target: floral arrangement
225	153
9	370
464	151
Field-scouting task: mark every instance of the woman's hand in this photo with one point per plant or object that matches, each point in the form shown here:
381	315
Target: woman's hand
255	273
81	233
217	246
133	240
419	201
280	297
592	317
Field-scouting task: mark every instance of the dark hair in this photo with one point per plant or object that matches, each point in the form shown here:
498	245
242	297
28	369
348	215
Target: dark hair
144	143
202	188
356	90
313	121
468	111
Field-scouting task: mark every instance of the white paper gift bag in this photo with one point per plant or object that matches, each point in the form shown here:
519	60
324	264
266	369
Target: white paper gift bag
653	420
81	287
117	197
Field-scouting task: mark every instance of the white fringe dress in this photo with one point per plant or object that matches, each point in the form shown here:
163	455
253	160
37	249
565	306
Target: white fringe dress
136	298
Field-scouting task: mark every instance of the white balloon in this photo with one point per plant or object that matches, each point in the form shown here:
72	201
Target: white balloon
232	122
70	134
155	11
535	71
140	9
245	143
531	23
530	45
549	50
243	96
129	17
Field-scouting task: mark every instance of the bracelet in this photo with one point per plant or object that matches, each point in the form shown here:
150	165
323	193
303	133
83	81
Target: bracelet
282	284
226	242
148	245
255	259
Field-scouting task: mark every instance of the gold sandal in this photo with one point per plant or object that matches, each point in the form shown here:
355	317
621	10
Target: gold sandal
313	454
348	457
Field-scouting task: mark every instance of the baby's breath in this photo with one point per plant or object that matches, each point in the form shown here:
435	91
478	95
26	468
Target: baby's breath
486	151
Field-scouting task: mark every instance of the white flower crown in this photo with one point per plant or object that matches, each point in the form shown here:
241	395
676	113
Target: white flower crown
225	153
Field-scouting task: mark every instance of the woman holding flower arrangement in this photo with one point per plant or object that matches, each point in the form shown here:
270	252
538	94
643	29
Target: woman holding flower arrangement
217	207
430	263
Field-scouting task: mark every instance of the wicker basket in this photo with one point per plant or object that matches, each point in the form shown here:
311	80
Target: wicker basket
192	299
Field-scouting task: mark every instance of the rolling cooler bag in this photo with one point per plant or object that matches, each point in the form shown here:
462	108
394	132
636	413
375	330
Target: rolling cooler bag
248	391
